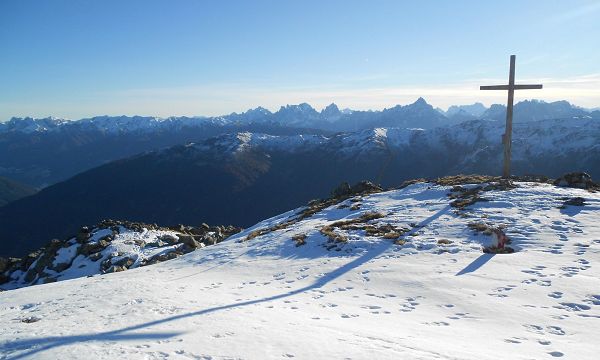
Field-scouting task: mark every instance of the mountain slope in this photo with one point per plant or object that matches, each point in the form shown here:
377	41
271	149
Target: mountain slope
432	294
11	191
46	157
241	178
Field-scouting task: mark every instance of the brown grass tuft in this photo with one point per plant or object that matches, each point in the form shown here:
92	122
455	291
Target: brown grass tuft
300	239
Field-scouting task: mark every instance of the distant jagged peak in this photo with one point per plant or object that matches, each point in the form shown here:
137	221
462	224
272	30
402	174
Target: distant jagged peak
299	108
331	113
476	109
258	111
419	105
420	102
331	109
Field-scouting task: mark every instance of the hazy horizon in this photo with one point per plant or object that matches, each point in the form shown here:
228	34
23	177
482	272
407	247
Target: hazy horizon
276	108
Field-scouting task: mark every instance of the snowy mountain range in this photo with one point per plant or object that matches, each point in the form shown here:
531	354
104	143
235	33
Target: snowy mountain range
245	177
418	115
389	275
41	152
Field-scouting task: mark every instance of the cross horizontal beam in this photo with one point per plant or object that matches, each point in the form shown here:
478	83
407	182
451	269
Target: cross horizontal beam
507	87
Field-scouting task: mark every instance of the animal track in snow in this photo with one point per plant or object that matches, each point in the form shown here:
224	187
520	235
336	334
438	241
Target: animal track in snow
439	323
593	299
551	329
498	292
460	315
573	306
347	316
513	340
540	282
279	276
555	294
410	304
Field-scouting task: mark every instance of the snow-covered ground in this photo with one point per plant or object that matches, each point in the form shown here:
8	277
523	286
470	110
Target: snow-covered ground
368	298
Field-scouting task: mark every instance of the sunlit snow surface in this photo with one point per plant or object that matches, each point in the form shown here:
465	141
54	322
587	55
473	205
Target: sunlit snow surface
265	298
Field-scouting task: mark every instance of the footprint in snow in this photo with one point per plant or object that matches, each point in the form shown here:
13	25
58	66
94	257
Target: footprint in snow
556	354
556	294
537	329
555	330
498	292
279	276
439	323
514	340
593	299
573	306
347	316
534	328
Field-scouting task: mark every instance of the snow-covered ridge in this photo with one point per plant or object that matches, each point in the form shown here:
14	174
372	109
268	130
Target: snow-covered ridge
530	139
429	293
112	246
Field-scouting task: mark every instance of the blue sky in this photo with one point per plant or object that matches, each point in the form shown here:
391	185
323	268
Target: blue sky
83	58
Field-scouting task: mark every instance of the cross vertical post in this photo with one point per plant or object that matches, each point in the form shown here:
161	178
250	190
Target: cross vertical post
511	87
509	116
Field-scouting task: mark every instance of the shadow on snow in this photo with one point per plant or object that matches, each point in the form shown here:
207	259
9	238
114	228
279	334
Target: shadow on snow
33	346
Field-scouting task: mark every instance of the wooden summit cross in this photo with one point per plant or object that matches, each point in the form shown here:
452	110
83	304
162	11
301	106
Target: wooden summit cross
511	87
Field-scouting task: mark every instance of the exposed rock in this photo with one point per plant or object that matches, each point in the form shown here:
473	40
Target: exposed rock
578	180
123	262
342	190
48	280
29	259
90	248
163	257
3	264
576	201
30	319
83	235
34	265
364	187
96	256
115	268
169	239
61	267
43	261
189	241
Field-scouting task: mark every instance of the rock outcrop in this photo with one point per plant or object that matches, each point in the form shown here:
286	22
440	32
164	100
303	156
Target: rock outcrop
110	246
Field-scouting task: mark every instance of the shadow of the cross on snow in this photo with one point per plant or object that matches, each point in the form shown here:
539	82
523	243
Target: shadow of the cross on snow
123	335
476	264
30	345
